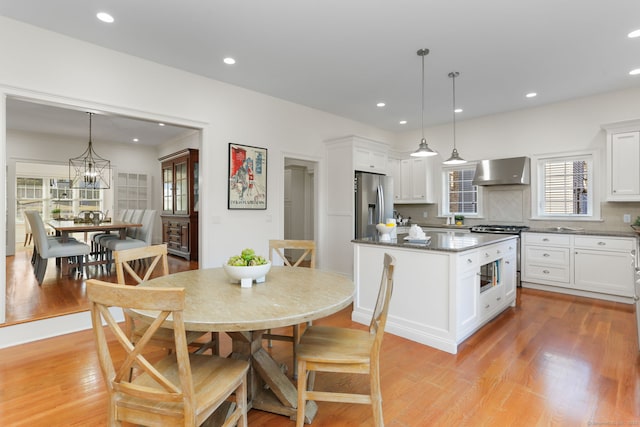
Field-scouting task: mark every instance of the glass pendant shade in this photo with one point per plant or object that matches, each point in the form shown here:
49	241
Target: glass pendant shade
89	170
455	158
423	149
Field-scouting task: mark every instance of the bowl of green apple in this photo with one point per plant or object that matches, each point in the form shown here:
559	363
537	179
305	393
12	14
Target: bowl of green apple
247	268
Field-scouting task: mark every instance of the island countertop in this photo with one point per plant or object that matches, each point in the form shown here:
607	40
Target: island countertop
442	241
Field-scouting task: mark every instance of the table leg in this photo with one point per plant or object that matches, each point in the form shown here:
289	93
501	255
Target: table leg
279	396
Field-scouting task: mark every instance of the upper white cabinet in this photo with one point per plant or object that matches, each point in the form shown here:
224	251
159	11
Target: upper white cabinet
369	156
417	181
623	161
393	170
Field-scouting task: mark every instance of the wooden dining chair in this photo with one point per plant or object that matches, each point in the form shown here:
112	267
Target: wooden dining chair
140	264
343	350
306	256
179	389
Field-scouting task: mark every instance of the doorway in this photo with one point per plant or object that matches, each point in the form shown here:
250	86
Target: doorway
300	190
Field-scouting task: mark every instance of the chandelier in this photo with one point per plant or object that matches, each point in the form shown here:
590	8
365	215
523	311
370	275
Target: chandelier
89	170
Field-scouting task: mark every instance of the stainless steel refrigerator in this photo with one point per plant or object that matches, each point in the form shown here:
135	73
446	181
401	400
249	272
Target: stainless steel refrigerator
374	202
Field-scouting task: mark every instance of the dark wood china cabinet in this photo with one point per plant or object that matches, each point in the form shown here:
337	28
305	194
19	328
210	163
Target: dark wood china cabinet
180	203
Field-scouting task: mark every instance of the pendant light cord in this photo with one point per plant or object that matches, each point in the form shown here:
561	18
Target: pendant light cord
454	110
422	117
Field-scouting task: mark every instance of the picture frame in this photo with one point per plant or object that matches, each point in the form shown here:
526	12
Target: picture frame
247	177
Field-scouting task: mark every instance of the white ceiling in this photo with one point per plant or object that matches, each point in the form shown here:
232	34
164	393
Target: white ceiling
344	56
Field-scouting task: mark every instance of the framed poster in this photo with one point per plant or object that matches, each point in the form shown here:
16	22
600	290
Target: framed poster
247	187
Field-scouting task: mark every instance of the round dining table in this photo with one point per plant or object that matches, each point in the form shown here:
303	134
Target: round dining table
289	296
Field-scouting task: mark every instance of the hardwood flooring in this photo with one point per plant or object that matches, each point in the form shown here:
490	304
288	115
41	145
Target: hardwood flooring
554	360
26	301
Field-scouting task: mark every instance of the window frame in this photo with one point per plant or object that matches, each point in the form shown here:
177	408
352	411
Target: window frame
444	205
592	157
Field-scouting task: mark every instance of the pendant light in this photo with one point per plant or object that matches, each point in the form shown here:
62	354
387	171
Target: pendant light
89	170
423	149
455	158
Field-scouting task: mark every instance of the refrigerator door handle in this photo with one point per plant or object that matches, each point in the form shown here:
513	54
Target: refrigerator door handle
380	205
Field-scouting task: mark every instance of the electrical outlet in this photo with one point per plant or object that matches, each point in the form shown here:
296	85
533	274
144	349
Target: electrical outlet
425	214
626	218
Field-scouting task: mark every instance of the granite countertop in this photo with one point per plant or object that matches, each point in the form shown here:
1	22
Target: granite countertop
583	232
443	241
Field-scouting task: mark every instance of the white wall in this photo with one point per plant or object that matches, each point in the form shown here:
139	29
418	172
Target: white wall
40	65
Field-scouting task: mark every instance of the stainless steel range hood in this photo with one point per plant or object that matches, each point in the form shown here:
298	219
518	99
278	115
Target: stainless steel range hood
514	170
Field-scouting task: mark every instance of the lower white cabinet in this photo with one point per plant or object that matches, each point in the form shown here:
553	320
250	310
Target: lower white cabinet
591	265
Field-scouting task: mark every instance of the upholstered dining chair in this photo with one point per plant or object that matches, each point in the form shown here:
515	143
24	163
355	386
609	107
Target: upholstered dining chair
137	237
179	389
47	247
140	264
28	235
306	255
343	350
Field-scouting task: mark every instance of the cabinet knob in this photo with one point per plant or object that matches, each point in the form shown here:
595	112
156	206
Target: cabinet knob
498	251
498	299
545	240
507	262
486	255
602	243
469	261
487	306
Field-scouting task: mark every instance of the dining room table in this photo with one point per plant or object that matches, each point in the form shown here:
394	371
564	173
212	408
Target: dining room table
65	228
289	296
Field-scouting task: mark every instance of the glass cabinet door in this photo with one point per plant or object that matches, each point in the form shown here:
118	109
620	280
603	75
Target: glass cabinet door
182	188
167	188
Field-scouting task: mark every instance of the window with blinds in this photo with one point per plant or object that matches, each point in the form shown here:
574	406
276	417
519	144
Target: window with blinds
461	196
566	185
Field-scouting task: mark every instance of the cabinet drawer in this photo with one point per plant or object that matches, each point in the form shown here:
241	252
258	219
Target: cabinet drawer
552	273
604	243
547	256
546	239
490	301
468	261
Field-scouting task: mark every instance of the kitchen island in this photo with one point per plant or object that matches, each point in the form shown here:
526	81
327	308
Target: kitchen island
444	291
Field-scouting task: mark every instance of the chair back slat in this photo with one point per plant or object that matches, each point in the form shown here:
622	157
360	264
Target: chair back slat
125	258
379	317
308	248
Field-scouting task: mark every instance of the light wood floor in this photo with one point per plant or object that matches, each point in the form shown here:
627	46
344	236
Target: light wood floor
26	301
555	360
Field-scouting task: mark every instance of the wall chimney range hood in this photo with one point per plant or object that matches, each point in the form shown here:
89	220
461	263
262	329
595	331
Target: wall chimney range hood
514	170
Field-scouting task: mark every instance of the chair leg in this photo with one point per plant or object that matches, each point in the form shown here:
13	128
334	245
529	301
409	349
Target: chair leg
302	388
269	341
376	396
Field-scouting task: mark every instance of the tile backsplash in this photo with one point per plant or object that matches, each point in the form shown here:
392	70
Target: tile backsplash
512	205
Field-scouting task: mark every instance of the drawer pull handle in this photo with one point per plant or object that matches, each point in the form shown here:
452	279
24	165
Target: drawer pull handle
469	261
507	262
545	240
487	306
498	251
545	271
486	255
601	243
498	299
546	255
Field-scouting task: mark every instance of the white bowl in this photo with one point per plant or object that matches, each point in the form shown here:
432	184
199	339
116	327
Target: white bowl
247	274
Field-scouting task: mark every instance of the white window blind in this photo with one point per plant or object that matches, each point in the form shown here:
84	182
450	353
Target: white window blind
566	187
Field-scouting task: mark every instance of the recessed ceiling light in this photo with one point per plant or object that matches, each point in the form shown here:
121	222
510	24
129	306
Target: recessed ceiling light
635	72
458	110
160	124
403	122
380	104
135	140
105	17
531	95
229	60
634	34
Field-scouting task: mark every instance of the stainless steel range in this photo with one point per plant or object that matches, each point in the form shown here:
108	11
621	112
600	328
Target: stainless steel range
504	229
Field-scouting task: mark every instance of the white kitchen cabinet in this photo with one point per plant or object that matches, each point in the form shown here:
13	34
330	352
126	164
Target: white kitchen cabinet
369	158
604	264
589	265
343	157
417	183
623	161
393	170
467	286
